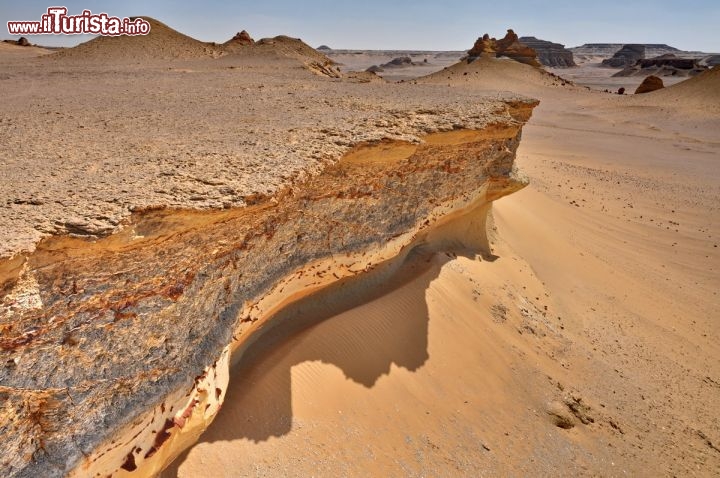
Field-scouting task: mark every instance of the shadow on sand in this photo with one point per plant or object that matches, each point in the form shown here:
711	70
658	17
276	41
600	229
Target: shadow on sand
348	325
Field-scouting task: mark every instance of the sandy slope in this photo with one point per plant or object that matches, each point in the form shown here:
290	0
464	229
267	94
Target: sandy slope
598	310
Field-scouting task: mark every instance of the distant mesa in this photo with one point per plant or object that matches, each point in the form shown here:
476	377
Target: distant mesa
242	38
509	46
664	65
324	48
627	56
22	41
649	84
549	53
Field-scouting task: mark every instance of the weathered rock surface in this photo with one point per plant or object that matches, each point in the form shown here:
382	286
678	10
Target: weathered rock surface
173	226
628	55
509	46
242	38
483	45
651	83
549	53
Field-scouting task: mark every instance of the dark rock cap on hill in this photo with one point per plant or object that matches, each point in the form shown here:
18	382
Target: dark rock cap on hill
241	38
22	41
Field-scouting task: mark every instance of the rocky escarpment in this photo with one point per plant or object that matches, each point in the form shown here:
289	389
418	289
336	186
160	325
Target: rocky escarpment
628	55
549	53
116	341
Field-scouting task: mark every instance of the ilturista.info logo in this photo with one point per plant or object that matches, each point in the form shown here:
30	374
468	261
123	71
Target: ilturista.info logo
57	22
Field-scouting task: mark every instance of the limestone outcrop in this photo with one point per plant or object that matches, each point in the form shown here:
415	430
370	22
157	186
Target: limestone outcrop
509	46
123	296
549	53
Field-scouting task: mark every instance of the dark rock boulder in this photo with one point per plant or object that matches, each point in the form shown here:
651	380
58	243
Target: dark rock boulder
651	83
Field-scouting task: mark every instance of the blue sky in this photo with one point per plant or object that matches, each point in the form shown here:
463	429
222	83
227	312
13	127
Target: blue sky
410	24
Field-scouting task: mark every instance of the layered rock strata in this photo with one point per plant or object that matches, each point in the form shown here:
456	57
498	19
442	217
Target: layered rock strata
115	344
549	53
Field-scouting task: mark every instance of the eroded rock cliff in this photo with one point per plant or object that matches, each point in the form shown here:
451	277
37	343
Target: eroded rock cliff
116	340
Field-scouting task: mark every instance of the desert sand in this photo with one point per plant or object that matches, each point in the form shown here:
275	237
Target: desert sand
568	329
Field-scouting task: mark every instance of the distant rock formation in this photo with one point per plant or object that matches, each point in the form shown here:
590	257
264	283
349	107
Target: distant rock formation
242	38
509	46
324	48
549	53
607	50
398	62
22	41
651	83
664	65
628	55
375	69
